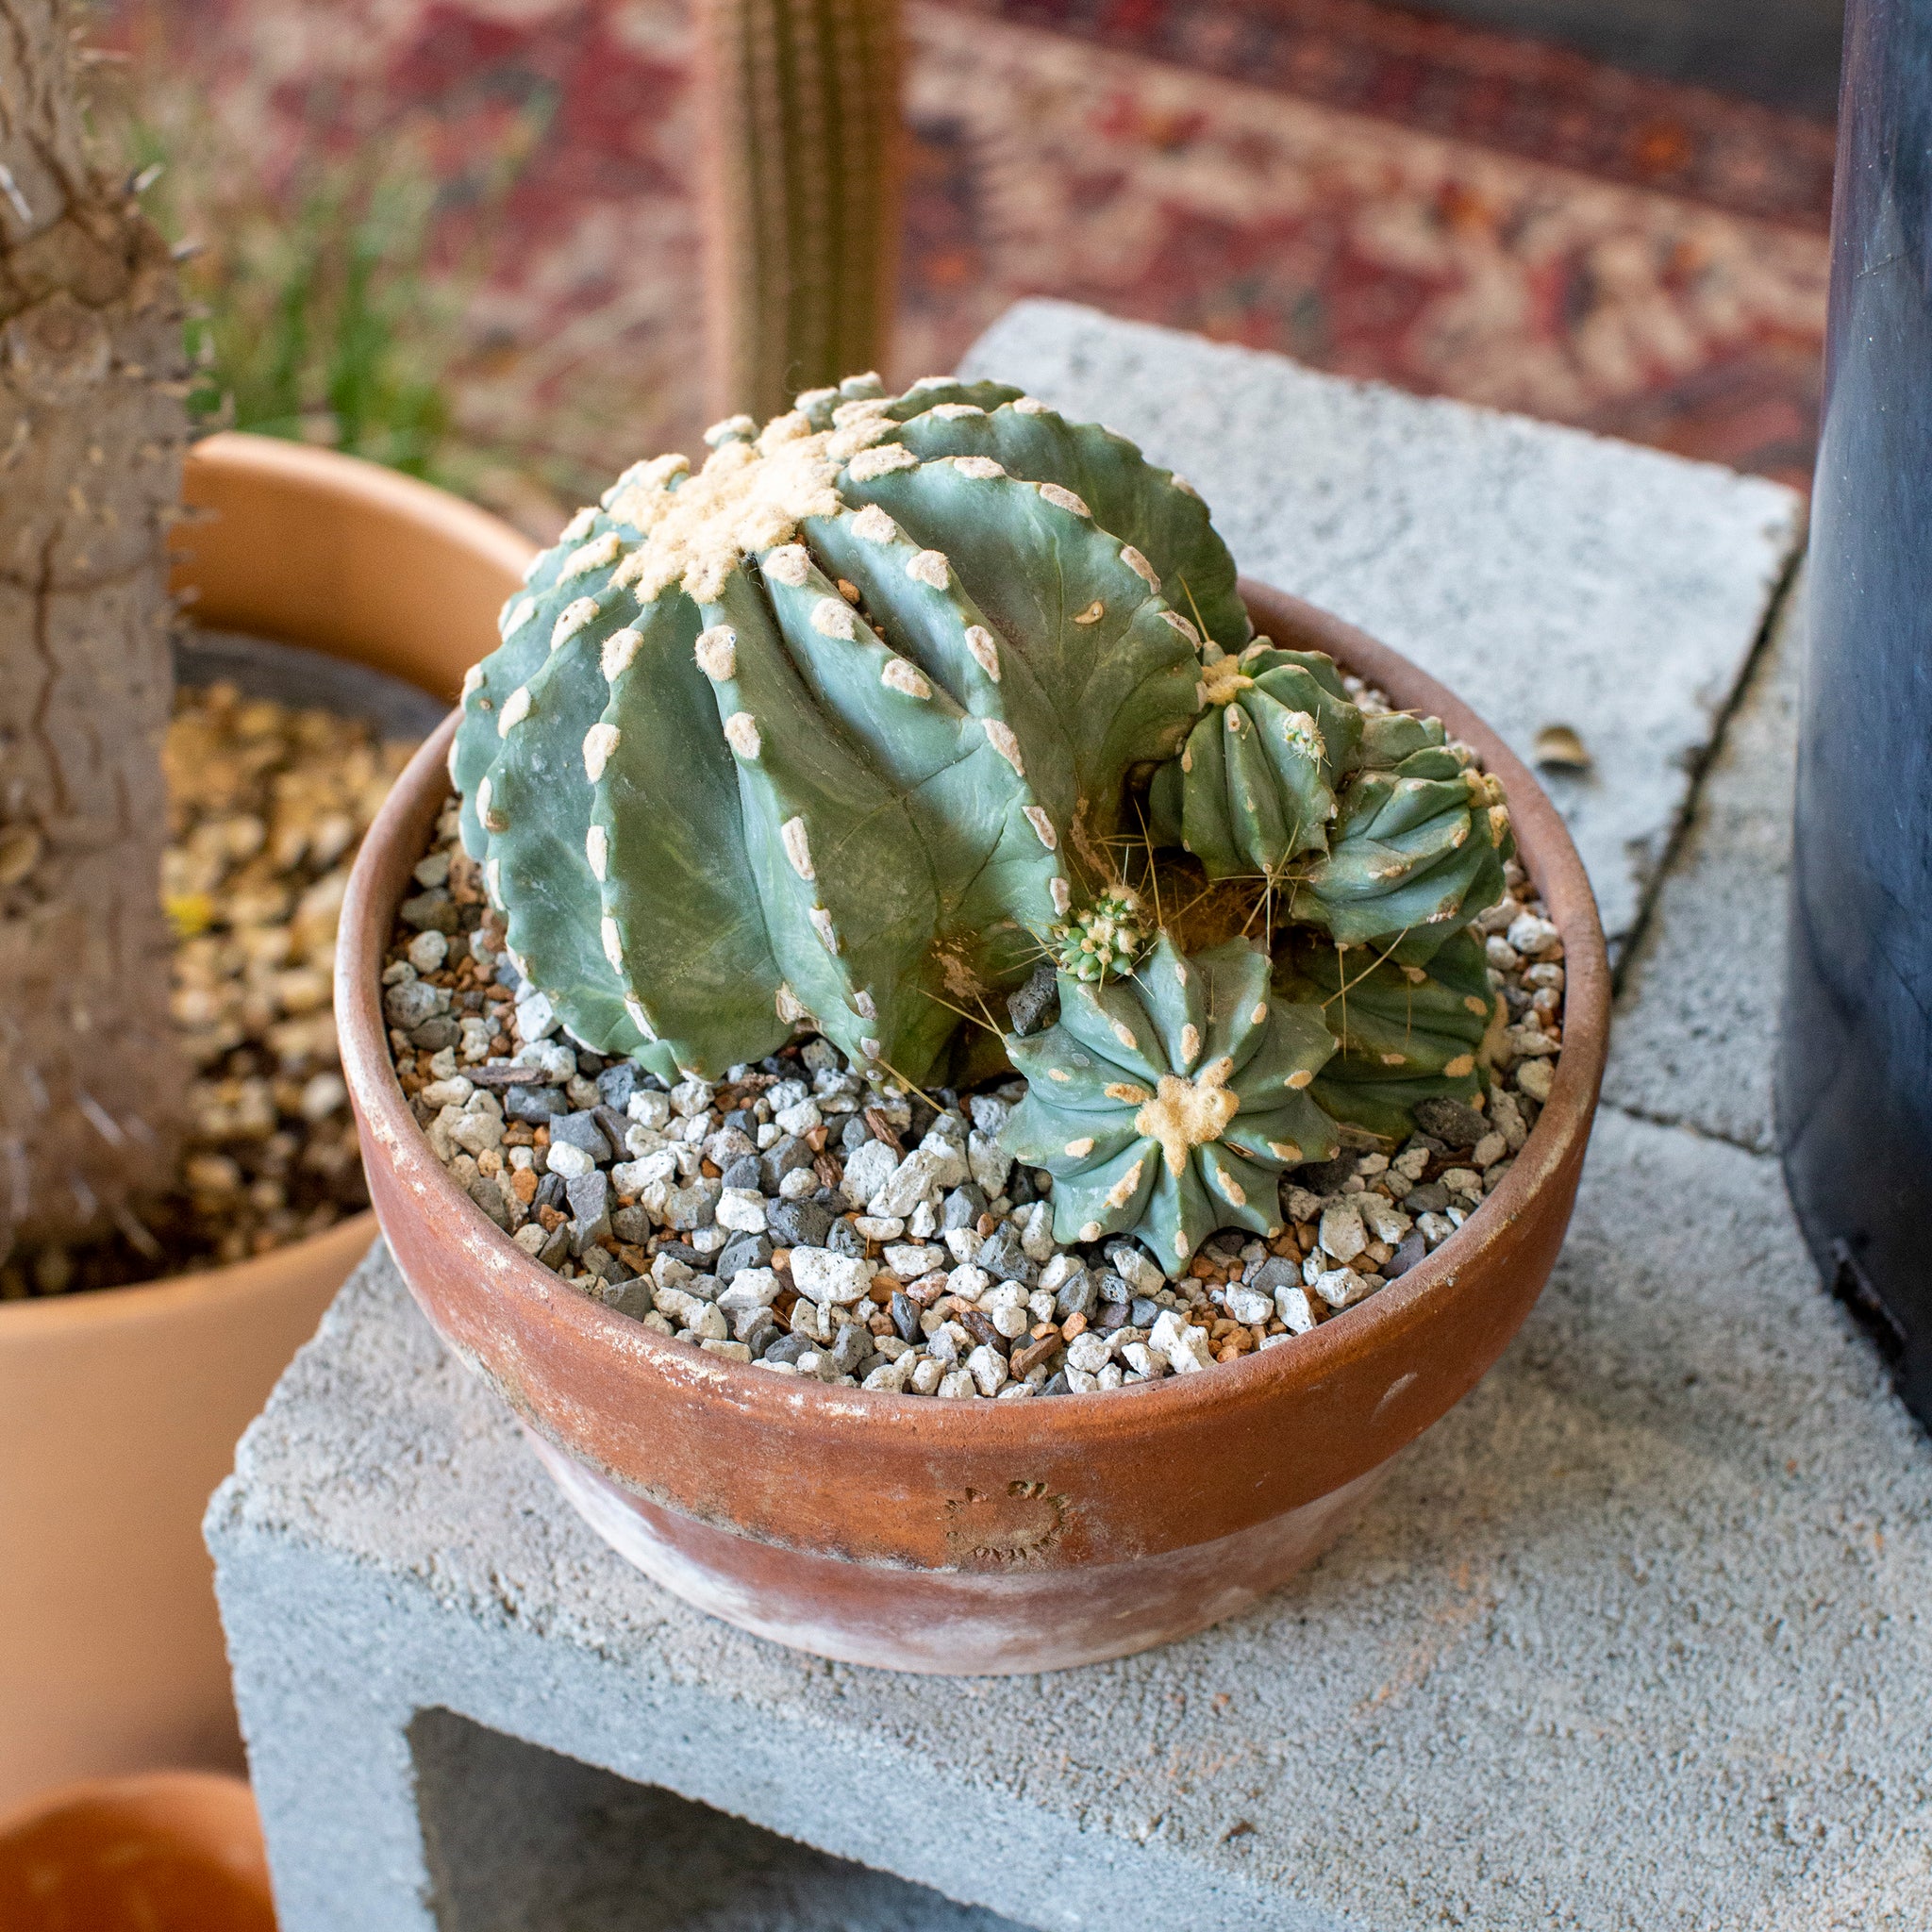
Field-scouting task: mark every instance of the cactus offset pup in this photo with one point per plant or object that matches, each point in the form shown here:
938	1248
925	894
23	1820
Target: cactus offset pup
851	729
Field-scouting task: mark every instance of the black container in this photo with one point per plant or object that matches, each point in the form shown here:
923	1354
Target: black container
1854	1066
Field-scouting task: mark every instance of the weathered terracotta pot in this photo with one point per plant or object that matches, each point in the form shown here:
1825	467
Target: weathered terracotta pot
174	1851
118	1411
979	1537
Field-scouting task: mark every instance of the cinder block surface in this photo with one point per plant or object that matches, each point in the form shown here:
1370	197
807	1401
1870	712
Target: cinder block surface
1637	1637
1548	575
1699	1004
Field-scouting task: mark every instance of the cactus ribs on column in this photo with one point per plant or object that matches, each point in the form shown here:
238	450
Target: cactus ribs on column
897	698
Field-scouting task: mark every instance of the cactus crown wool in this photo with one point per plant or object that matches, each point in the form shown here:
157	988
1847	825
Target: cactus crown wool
847	729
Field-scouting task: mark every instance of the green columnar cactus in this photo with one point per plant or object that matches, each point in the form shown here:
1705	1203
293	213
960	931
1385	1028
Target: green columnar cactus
1407	1032
1170	1103
839	728
800	129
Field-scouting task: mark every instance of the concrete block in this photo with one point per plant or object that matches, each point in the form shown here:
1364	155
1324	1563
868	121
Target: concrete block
1633	1639
1698	1011
1548	575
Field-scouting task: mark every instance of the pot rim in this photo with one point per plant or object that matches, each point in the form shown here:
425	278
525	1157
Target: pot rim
395	841
230	460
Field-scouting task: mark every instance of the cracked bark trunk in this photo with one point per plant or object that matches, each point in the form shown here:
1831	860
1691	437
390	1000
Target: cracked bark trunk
92	432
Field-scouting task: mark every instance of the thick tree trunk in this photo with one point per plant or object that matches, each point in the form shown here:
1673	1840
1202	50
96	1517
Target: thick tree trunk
92	432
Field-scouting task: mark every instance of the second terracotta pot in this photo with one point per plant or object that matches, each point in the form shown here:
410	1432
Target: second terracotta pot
973	1536
119	1410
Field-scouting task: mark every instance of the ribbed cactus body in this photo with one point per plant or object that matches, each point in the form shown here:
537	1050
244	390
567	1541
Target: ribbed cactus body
837	729
1407	1032
1417	848
1170	1103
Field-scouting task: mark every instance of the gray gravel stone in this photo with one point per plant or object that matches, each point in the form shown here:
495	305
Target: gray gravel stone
580	1129
798	1224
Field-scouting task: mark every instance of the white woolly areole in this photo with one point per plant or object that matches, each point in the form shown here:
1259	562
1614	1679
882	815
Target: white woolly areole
717	653
831	617
516	707
1181	624
822	924
928	567
862	1005
639	1018
899	676
1030	406
749	498
1062	896
450	761
471	679
518	614
597	850
932	382
870	1048
786	1006
789	565
489	814
985	652
811	398
492	880
1185	488
874	525
1064	499
1000	735
1139	566
600	741
578	527
742	730
639	494
860	409
575	616
619	647
951	412
729	429
535	564
791	834
594	554
881	461
613	944
1043	826
984	468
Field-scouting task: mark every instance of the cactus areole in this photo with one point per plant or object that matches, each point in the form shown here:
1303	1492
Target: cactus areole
852	727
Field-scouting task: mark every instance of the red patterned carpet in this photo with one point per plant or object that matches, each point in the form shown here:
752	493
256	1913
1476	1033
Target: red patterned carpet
1453	211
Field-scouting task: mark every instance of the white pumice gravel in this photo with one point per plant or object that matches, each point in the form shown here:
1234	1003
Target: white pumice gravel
793	1218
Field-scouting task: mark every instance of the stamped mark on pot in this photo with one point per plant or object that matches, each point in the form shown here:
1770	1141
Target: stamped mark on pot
1013	1527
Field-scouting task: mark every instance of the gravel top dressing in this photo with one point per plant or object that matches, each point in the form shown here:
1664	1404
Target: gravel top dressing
267	805
796	1216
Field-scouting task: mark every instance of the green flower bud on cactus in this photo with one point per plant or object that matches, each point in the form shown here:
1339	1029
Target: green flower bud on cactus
1408	1032
1170	1103
836	730
1104	940
1417	848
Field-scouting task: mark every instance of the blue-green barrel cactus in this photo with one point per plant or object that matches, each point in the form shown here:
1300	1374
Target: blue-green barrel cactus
1406	1032
1169	1103
837	729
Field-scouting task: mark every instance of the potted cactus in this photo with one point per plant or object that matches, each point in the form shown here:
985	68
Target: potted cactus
932	734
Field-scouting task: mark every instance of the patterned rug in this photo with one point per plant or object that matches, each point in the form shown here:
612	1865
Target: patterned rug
1453	211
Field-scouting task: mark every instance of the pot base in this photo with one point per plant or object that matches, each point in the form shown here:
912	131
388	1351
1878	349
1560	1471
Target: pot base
993	1623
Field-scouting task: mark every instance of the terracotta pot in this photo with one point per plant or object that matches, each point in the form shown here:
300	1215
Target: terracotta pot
119	1410
174	1852
977	1537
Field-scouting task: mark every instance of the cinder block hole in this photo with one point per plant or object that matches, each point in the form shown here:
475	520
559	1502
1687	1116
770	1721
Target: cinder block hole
519	1839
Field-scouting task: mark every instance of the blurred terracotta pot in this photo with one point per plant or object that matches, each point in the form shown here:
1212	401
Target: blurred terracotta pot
174	1852
977	1537
119	1410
